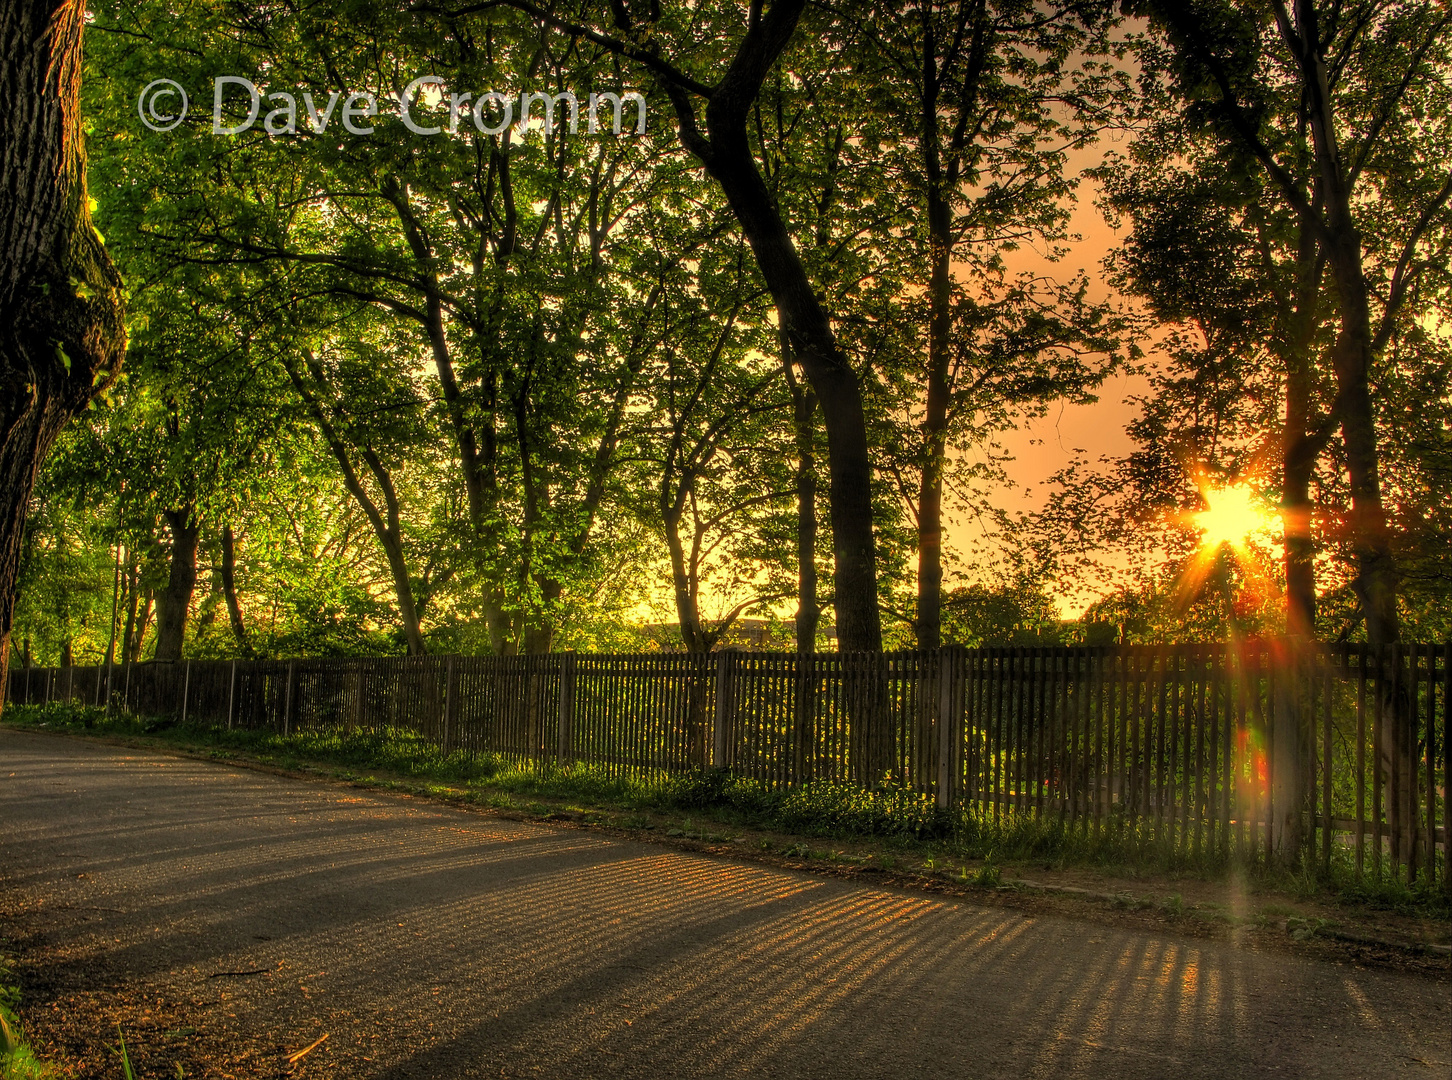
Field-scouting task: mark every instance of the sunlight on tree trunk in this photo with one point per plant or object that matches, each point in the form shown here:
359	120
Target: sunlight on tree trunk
62	329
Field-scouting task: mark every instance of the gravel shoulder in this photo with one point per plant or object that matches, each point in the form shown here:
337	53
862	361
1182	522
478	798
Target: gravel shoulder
228	918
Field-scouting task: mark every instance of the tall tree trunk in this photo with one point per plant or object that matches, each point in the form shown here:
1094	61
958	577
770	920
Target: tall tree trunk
386	524
1304	436
1352	357
1292	739
838	390
839	393
929	621
1376	585
537	628
403	588
174	602
62	323
1293	742
477	448
804	407
809	608
724	148
229	590
969	30
128	652
143	623
688	608
1298	466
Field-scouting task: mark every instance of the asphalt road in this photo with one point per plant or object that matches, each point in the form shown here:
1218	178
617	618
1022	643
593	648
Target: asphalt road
228	917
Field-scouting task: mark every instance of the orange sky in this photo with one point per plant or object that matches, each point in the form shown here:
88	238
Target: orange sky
1042	447
1039	448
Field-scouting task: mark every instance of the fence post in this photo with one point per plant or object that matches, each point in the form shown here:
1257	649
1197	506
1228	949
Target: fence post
1287	764
724	707
360	683
448	702
950	726
565	750
1446	770
805	716
287	699
231	694
186	689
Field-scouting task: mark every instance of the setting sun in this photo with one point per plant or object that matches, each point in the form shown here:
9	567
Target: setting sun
1231	516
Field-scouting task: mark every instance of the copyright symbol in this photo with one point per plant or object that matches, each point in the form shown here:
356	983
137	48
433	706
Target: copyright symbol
155	92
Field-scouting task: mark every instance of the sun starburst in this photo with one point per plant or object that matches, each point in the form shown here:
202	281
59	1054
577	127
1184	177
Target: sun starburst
1233	518
1234	515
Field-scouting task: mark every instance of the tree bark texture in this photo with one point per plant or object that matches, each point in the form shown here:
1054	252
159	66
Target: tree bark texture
809	609
175	601
62	323
1304	436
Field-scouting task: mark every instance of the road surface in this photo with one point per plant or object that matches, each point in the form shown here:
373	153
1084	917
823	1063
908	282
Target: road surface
229	917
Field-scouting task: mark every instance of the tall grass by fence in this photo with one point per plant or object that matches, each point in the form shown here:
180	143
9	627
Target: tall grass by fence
1233	751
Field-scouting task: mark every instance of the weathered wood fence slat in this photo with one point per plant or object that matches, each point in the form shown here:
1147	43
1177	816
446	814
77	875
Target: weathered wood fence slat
1237	750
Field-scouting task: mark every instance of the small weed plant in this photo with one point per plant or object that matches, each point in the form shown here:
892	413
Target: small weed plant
17	1060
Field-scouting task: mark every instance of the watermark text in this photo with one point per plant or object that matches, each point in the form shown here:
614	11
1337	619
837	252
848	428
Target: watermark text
425	107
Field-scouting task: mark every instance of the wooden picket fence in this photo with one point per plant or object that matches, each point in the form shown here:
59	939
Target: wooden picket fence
1192	746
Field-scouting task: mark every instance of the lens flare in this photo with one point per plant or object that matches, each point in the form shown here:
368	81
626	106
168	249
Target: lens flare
1237	521
1233	515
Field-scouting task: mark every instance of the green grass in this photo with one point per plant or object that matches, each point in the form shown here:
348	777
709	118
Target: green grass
17	1060
901	820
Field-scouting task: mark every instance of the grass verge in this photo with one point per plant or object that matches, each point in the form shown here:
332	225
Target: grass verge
899	826
17	1060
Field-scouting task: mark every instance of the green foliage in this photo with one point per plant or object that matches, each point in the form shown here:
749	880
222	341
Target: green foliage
977	616
515	392
1222	206
988	875
528	391
17	1060
126	1071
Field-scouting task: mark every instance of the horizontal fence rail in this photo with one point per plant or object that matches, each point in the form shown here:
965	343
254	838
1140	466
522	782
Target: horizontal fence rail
1239	751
